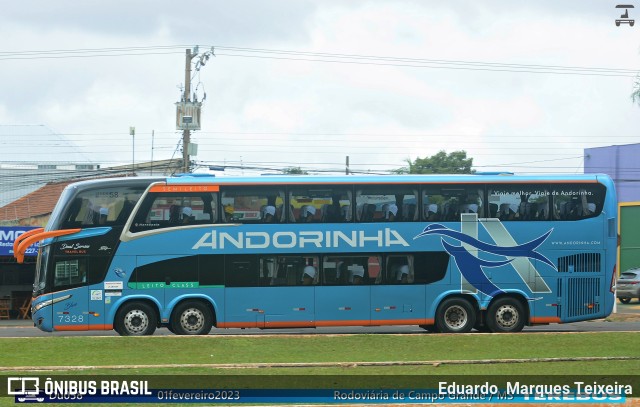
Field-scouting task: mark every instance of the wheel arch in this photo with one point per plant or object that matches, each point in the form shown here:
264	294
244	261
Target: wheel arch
149	300
213	307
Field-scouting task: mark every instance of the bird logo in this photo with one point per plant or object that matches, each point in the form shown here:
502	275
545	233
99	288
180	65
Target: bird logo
471	266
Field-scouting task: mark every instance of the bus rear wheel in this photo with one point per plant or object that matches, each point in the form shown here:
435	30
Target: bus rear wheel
136	319
505	315
455	315
191	318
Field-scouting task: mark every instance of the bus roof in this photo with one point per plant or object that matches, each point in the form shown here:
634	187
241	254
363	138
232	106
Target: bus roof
384	179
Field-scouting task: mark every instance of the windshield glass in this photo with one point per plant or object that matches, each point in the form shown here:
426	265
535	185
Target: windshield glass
41	271
106	206
54	220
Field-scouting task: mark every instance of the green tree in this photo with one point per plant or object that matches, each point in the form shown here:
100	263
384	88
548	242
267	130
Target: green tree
294	171
440	163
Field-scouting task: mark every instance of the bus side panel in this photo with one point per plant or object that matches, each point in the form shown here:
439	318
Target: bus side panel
269	307
398	305
343	305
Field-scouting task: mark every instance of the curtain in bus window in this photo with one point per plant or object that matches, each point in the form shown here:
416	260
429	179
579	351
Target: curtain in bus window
386	203
316	203
253	204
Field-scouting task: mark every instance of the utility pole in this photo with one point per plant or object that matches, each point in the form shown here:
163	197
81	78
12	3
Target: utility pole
187	110
186	134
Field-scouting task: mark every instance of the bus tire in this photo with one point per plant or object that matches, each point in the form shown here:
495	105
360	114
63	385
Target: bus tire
505	314
136	319
455	315
191	318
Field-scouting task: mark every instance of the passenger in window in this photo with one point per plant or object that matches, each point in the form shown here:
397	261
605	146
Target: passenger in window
307	213
104	213
357	274
187	215
432	212
269	214
228	213
308	275
402	275
390	211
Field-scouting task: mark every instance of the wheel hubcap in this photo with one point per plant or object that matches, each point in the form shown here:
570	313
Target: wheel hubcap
136	321
192	320
507	316
456	317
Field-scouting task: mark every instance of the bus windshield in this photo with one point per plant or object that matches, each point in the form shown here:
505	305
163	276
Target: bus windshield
102	203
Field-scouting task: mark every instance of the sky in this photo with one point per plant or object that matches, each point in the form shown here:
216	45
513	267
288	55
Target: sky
520	86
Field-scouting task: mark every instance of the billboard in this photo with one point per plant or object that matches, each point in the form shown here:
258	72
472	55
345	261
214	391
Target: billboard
9	234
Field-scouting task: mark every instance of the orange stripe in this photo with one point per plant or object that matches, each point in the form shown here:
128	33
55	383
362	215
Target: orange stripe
23	236
286	324
95	327
185	188
544	320
311	324
410	182
37	237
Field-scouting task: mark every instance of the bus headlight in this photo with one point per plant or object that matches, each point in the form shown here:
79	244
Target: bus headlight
46	303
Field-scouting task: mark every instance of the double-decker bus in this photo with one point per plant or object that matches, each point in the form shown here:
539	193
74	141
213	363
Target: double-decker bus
447	253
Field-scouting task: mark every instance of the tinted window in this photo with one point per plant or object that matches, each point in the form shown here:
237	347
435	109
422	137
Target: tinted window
242	271
69	272
446	203
165	209
289	270
167	272
577	201
430	266
350	270
101	207
253	205
320	204
519	202
386	204
211	269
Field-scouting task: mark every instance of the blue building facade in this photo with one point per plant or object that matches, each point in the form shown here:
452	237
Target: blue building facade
621	163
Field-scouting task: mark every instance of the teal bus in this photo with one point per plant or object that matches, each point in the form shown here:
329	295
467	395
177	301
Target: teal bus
449	253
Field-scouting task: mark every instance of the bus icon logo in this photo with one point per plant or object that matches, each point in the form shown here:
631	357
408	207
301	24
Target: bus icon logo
624	17
26	388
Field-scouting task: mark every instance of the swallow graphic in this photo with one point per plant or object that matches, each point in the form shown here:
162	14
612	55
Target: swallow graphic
471	267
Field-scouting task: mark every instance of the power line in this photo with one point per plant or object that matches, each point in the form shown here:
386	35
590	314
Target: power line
324	57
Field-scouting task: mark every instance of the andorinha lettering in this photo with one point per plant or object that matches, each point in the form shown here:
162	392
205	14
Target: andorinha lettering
305	239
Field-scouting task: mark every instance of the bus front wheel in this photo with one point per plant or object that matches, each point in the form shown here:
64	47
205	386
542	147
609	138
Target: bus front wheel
136	319
505	315
455	315
192	318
